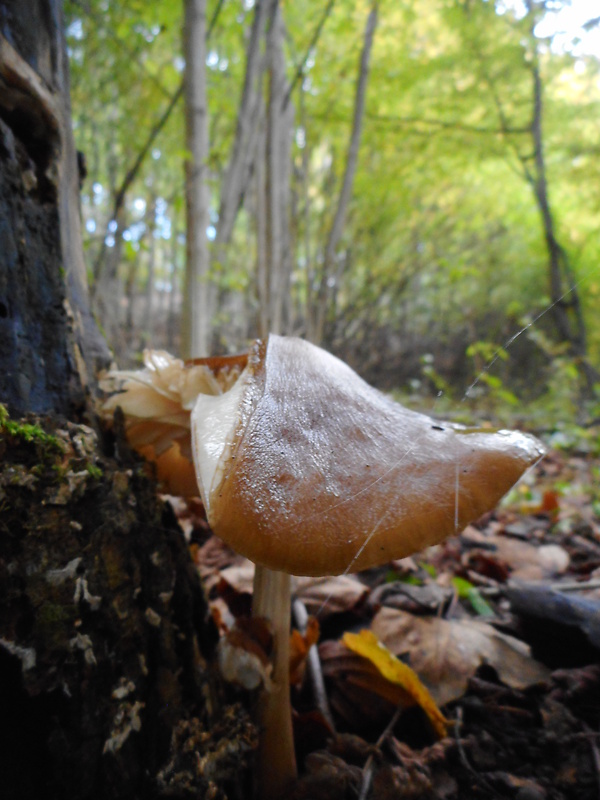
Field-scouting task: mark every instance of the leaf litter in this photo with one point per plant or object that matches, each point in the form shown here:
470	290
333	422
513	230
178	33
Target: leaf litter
523	719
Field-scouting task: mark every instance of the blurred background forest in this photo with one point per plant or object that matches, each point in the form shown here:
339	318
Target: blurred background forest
407	183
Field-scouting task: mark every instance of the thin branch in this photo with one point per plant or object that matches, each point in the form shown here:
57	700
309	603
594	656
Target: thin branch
132	174
446	124
314	665
311	46
239	168
337	227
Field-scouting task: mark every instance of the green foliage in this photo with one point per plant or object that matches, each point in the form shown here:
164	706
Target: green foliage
443	244
467	591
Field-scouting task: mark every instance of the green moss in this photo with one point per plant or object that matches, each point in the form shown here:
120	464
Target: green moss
52	614
26	432
94	471
51	623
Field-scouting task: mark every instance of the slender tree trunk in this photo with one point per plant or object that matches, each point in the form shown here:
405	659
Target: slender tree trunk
173	305
130	307
306	211
148	323
247	128
274	272
566	303
197	298
246	148
109	288
318	311
262	275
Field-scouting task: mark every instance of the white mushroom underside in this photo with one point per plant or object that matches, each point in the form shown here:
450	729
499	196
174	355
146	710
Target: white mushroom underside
218	415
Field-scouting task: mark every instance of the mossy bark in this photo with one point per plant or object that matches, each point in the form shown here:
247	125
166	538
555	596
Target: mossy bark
106	642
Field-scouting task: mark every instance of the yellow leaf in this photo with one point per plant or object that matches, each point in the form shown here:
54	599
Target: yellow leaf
367	645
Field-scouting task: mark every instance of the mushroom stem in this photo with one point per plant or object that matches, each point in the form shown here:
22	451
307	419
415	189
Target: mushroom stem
276	760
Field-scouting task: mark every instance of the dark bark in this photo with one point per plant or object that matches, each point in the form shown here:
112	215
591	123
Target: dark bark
49	344
106	641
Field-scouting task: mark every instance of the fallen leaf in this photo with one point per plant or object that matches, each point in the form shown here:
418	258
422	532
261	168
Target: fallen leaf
300	644
212	556
330	595
235	588
525	561
409	597
239	576
446	653
358	693
397	673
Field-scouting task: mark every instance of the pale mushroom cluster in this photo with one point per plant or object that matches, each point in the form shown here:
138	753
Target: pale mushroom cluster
307	470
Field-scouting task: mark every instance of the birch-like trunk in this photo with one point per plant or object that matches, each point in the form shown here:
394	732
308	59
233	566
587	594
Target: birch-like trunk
147	325
243	149
319	304
274	263
197	296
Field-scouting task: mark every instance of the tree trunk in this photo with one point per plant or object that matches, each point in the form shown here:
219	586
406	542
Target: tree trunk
148	327
318	306
274	265
566	304
239	167
197	297
108	687
109	288
49	344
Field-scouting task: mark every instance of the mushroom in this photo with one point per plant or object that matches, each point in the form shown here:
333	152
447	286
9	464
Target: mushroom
307	470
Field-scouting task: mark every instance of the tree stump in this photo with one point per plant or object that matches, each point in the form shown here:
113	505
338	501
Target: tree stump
107	682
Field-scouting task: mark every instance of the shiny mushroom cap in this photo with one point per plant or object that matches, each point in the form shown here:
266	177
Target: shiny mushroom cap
305	468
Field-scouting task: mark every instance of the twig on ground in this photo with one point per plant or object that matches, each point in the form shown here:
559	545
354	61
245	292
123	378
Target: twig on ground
368	767
314	665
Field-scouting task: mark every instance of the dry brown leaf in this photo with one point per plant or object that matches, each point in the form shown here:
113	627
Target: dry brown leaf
330	595
446	653
212	557
525	561
240	576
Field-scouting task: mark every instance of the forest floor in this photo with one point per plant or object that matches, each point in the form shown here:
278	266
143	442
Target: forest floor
501	624
97	589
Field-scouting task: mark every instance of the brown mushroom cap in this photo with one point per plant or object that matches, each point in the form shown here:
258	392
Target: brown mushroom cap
305	468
